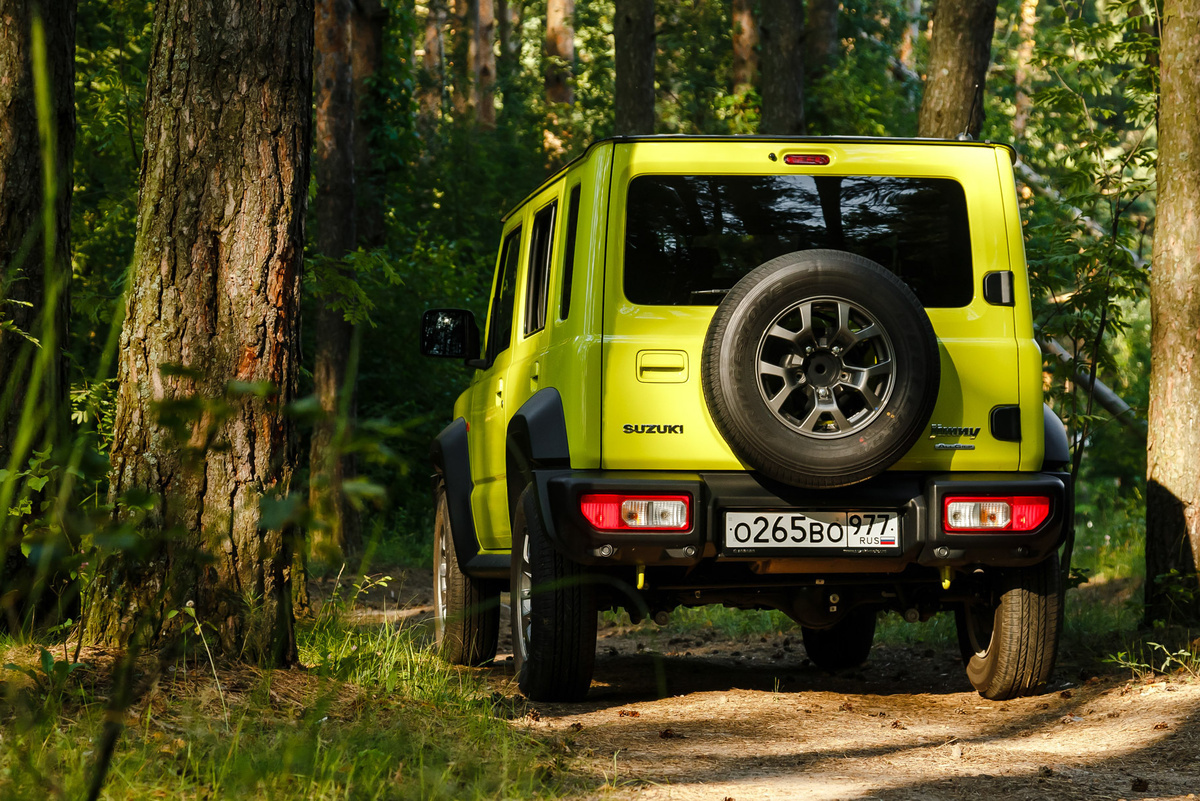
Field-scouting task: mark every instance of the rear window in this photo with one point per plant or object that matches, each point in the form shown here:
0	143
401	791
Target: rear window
689	239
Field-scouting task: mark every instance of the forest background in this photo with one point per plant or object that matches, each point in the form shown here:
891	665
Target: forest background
460	108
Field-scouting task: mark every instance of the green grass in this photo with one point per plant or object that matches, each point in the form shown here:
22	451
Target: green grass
377	715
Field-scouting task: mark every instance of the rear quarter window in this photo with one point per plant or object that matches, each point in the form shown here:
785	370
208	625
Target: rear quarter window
689	239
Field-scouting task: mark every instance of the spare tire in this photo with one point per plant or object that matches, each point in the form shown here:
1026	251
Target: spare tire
820	369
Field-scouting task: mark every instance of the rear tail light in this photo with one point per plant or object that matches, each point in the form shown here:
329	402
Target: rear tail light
1014	513
637	512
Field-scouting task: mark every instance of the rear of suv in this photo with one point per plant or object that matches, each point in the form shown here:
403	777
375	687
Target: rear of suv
793	374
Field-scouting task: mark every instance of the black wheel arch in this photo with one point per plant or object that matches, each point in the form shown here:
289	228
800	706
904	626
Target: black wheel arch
452	468
536	440
1057	448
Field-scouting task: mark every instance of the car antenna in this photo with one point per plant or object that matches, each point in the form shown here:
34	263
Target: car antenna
965	136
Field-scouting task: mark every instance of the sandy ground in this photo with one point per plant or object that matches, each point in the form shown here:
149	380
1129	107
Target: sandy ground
707	717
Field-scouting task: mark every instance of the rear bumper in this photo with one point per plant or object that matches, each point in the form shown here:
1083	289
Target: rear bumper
917	500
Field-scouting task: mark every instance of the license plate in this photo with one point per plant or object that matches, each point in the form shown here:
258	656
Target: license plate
747	532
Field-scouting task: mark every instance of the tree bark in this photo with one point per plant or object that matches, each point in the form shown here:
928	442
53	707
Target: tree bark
209	346
959	53
335	529
1025	31
821	38
908	39
782	29
483	62
367	21
559	50
1172	469
745	46
634	45
461	41
433	63
35	269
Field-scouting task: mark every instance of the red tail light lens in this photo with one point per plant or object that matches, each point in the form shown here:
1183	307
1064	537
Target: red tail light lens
806	158
1011	513
637	512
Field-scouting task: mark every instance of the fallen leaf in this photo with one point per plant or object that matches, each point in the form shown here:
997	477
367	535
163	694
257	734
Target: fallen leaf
629	713
898	725
576	727
1065	694
1161	726
846	706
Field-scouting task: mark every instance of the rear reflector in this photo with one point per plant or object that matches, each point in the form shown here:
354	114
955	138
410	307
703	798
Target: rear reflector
806	158
637	512
1014	513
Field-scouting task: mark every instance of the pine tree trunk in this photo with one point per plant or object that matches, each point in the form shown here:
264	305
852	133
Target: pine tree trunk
745	46
634	45
335	532
559	50
959	53
433	64
213	292
483	63
782	29
1026	28
35	271
1173	469
367	21
821	38
461	43
908	39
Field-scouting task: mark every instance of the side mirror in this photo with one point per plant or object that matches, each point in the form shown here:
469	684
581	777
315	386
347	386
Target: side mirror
450	334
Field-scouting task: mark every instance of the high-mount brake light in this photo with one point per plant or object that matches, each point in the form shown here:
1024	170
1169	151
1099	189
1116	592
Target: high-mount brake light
612	512
806	158
1011	513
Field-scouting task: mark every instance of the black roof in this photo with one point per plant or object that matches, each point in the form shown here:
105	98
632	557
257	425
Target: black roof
898	140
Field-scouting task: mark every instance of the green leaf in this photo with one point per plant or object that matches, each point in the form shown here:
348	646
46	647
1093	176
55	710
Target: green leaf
37	482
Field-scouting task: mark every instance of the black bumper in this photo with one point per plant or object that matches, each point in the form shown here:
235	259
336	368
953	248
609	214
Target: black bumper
917	499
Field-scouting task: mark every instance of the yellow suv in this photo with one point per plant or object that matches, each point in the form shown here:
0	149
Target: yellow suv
771	373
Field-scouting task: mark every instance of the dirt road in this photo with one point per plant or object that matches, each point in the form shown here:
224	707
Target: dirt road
708	717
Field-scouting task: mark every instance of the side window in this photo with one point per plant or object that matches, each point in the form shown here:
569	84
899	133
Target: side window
500	329
569	252
541	242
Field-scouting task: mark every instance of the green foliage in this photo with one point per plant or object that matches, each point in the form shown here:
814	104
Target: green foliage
113	41
866	92
408	727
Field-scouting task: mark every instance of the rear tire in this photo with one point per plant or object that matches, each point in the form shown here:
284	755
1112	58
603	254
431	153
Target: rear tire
553	613
1010	641
845	644
467	621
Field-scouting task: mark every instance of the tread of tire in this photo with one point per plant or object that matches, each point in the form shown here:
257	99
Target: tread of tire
471	631
1029	615
558	668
